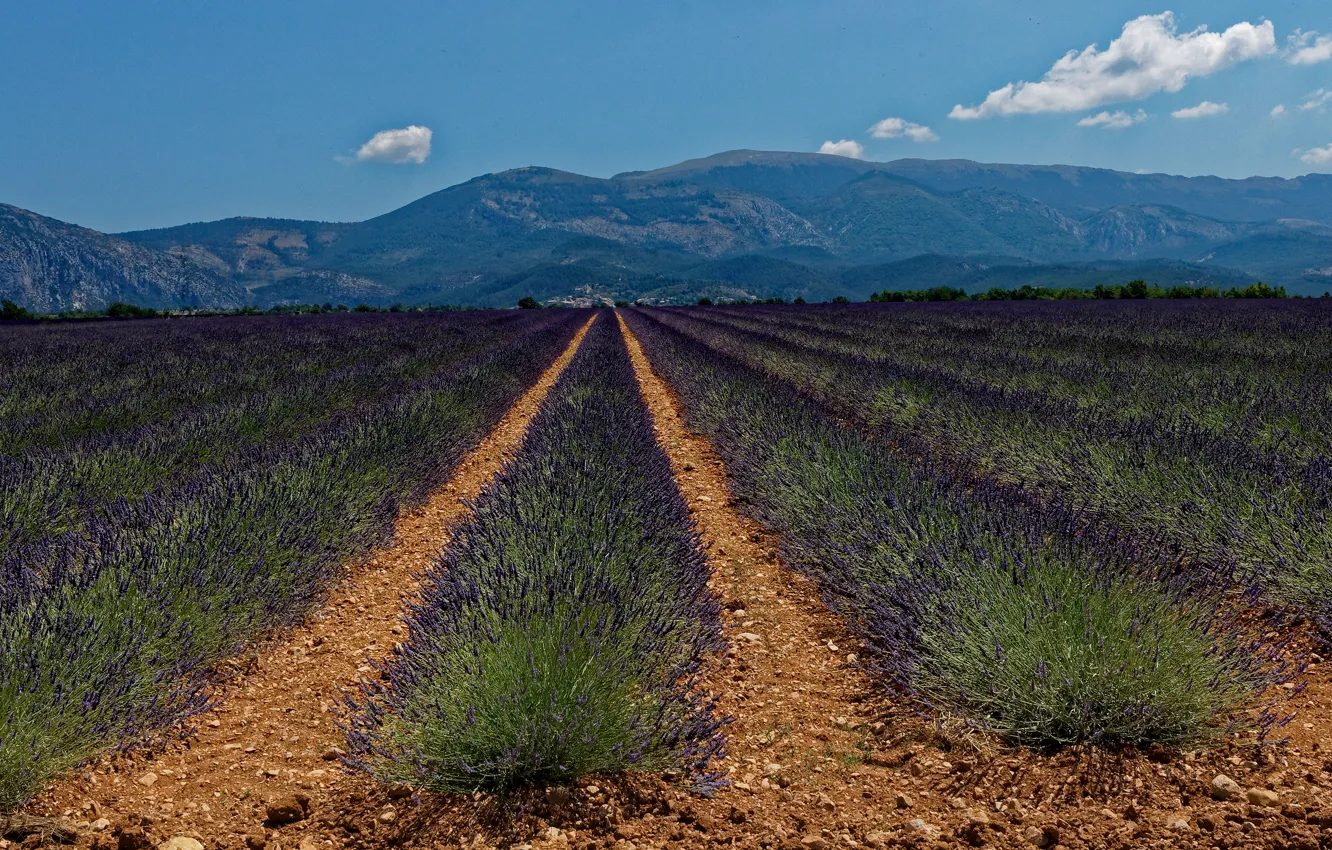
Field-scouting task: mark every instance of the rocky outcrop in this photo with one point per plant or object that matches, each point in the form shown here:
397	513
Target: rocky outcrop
49	266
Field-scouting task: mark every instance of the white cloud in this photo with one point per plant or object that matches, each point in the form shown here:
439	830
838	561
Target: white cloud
846	147
1278	110
406	145
1308	48
1316	156
1148	57
896	128
1318	100
1203	110
1113	120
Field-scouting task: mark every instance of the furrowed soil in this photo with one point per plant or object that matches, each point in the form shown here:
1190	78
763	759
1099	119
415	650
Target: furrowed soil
819	758
272	735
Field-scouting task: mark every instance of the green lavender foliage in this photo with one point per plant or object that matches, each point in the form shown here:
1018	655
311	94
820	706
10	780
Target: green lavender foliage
975	601
564	629
111	614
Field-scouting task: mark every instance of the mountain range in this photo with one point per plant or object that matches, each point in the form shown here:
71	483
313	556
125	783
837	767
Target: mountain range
737	224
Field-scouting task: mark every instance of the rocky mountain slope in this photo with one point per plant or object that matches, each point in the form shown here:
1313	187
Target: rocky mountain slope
763	223
1077	191
50	266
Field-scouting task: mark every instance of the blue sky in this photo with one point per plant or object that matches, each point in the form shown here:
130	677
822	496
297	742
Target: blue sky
142	114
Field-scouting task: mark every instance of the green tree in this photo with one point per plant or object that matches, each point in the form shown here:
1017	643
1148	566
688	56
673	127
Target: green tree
122	310
528	303
10	311
1135	289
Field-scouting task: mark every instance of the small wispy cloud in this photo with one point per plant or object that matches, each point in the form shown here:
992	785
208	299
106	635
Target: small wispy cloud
1278	110
1203	110
846	147
897	128
1113	120
1317	100
1149	56
404	146
1316	156
1308	48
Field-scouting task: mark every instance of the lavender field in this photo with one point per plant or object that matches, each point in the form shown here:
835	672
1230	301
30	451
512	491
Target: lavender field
172	490
1055	525
1056	519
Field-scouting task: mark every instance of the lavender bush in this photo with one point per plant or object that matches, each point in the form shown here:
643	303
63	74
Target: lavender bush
110	615
117	410
976	599
1202	424
564	629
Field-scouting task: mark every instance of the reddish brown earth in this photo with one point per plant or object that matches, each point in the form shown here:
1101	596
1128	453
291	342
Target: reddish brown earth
818	757
273	734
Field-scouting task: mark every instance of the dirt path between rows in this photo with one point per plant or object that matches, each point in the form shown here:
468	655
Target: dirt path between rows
273	734
804	715
820	758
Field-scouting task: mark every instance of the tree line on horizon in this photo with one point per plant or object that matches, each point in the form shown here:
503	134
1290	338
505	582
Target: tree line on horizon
1135	289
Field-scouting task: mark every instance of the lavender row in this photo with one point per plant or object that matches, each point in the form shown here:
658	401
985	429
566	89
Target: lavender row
66	382
1234	505
922	360
199	398
1009	432
564	630
106	635
975	600
49	493
1260	371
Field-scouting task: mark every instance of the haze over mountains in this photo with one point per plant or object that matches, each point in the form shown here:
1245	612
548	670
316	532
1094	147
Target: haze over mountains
741	223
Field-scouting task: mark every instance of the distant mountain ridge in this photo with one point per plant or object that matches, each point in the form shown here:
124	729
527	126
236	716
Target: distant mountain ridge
754	223
50	266
1075	190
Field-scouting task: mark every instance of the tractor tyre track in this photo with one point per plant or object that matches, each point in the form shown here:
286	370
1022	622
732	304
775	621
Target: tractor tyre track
804	710
273	733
